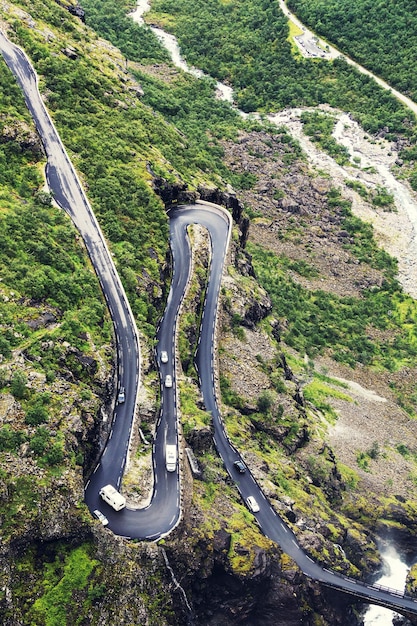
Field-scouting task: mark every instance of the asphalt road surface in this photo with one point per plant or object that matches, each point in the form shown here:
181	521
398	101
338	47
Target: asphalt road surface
163	513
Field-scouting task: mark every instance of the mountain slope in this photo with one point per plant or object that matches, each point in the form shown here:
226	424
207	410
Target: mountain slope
293	231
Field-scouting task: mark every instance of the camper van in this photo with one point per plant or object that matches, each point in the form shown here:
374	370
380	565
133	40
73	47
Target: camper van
171	457
113	497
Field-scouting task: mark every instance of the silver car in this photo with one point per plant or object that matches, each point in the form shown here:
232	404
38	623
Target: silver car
121	397
102	518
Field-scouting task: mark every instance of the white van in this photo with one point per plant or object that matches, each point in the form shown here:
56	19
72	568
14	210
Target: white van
113	497
171	457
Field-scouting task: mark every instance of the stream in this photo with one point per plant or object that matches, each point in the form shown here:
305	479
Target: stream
370	164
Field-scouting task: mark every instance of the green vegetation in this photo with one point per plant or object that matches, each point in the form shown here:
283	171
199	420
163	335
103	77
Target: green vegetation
382	198
23	500
372	33
66	588
192	416
246	43
364	457
299	266
61	581
319	127
318	393
229	396
136	42
359	187
192	306
318	320
245	542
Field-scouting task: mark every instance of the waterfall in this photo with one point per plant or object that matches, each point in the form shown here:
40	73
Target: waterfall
394	576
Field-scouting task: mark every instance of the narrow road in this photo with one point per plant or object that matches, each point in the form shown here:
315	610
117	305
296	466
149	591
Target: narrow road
163	513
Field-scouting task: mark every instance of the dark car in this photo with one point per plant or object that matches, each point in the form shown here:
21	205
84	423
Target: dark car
240	466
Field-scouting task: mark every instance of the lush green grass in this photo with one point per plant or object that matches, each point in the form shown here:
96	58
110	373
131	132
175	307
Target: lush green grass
318	393
56	584
62	581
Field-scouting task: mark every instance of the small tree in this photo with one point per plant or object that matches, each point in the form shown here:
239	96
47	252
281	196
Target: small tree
55	454
18	385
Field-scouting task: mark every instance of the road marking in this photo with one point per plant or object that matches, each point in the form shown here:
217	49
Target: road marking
329	571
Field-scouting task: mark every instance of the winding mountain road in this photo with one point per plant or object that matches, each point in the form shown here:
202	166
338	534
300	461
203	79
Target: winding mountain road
163	513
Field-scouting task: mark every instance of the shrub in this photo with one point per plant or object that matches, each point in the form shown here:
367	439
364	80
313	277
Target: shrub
36	415
264	402
55	454
10	439
39	441
18	385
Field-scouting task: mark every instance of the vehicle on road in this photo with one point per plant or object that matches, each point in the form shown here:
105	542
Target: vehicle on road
168	381
240	466
164	356
102	518
252	504
121	397
171	457
113	497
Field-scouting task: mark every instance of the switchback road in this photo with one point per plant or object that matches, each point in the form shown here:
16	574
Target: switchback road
163	513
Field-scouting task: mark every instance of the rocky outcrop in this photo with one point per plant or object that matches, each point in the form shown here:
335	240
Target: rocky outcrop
75	9
20	132
272	587
201	440
172	193
224	198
